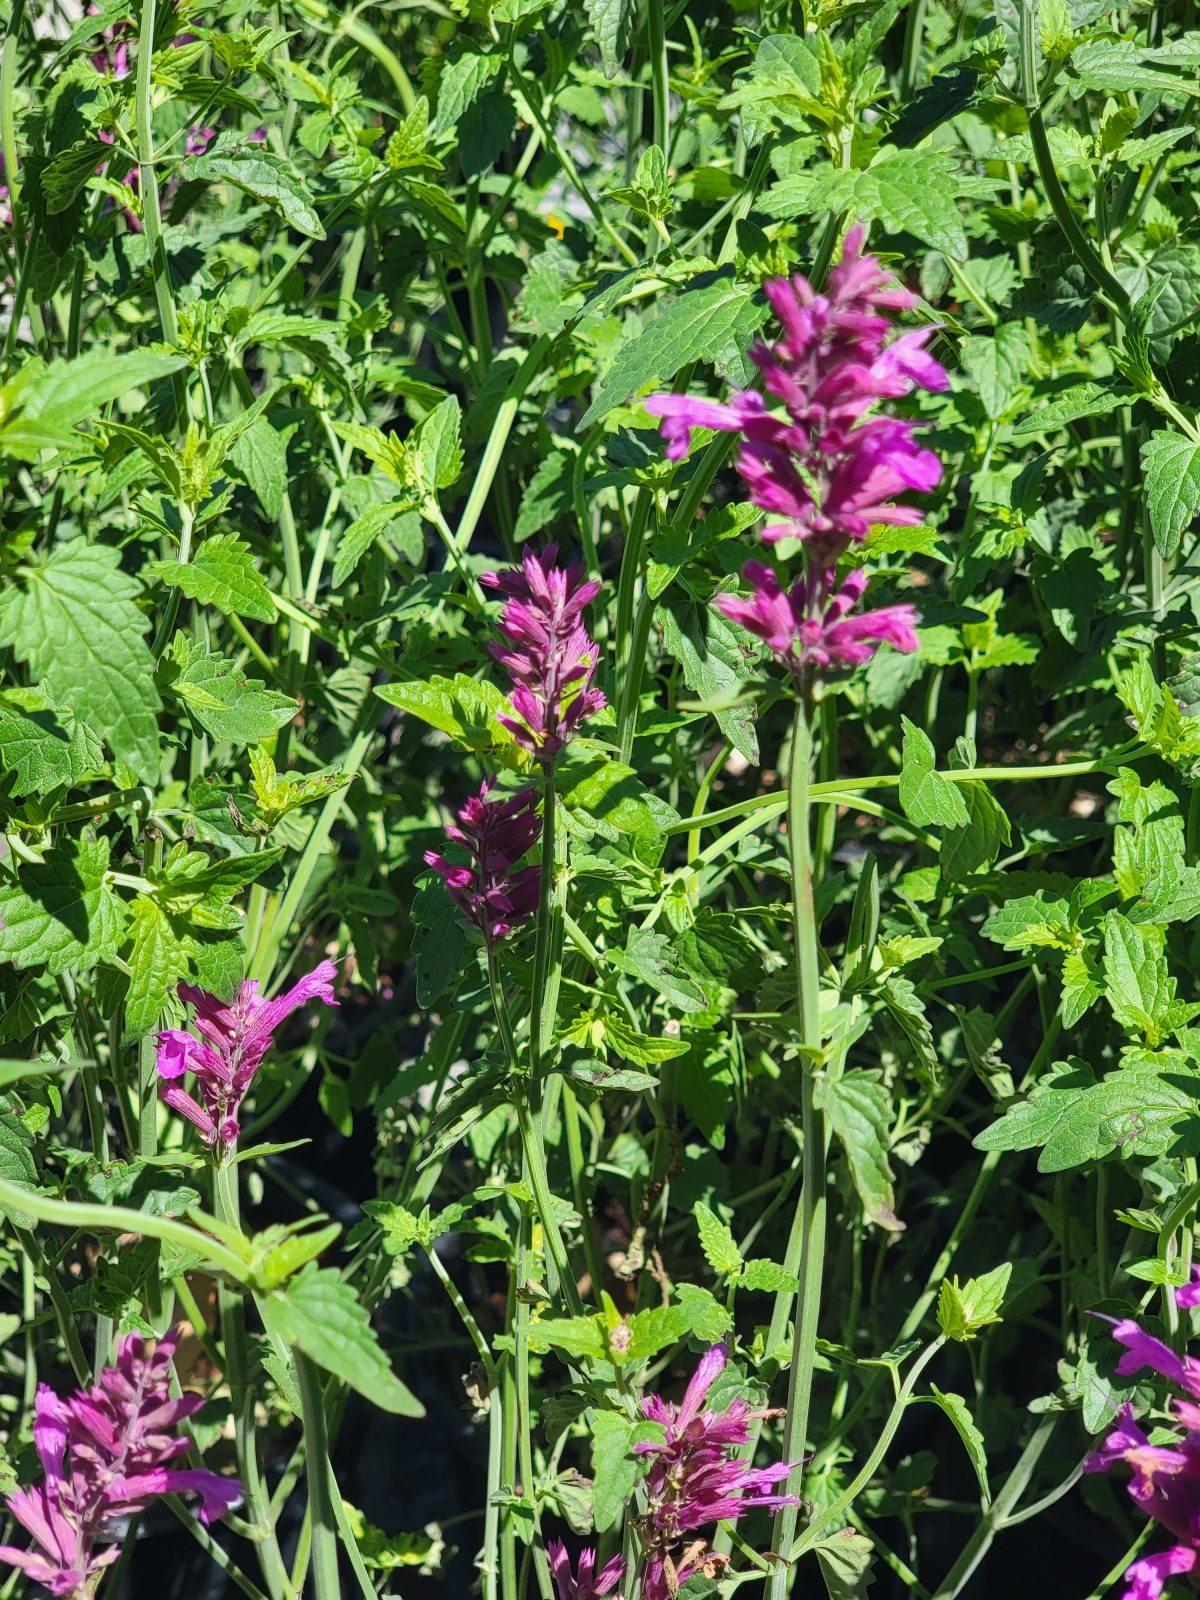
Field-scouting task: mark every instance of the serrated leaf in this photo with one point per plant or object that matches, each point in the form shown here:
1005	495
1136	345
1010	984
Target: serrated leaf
45	749
60	912
698	323
615	1469
393	517
1171	464
766	1275
1074	1119
320	1313
263	175
925	795
437	444
997	365
73	622
16	1162
227	703
959	1412
41	406
717	1242
221	574
260	455
1084	400
157	960
463	708
642	1049
463	79
859	1109
651	957
965	850
713	655
610	22
1031	920
845	1561
1119	65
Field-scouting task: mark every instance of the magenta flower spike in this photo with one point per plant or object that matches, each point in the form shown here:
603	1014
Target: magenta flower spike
694	1481
1166	1477
547	653
106	1454
823	467
495	894
584	1583
809	629
234	1038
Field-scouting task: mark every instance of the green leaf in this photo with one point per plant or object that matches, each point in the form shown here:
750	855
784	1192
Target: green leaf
708	1320
1075	1119
463	79
958	1411
653	1331
1171	465
965	1308
575	1336
615	1469
997	366
321	1315
610	22
1029	921
642	1049
260	455
845	1561
652	957
225	702
925	795
158	959
221	574
1084	400
16	1162
910	191
714	656
965	850
859	1108
393	517
697	325
1118	65
60	912
1137	981
463	708
767	1276
440	954
607	799
46	748
73	622
41	406
548	494
436	444
263	175
717	1242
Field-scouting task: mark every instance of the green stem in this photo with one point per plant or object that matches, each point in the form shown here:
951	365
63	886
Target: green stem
62	1307
148	189
152	852
318	1474
659	76
493	451
810	1215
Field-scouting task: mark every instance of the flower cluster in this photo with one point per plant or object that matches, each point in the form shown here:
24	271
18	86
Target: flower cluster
234	1038
831	465
694	1481
584	1583
1166	1477
494	893
547	653
106	1454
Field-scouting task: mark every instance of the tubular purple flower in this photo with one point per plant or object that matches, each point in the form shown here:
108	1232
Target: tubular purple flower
1166	1477
234	1038
692	1482
106	1454
808	628
825	468
495	895
584	1583
548	654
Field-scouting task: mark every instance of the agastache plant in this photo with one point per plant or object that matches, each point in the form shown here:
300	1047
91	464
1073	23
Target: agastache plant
234	1037
106	1454
828	467
585	1583
1166	1476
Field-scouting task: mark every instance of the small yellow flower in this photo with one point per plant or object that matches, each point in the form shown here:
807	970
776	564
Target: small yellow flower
556	225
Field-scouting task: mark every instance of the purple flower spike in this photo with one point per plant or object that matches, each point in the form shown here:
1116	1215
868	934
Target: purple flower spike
1166	1477
494	893
106	1454
582	1584
693	1481
234	1038
825	469
548	653
808	627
